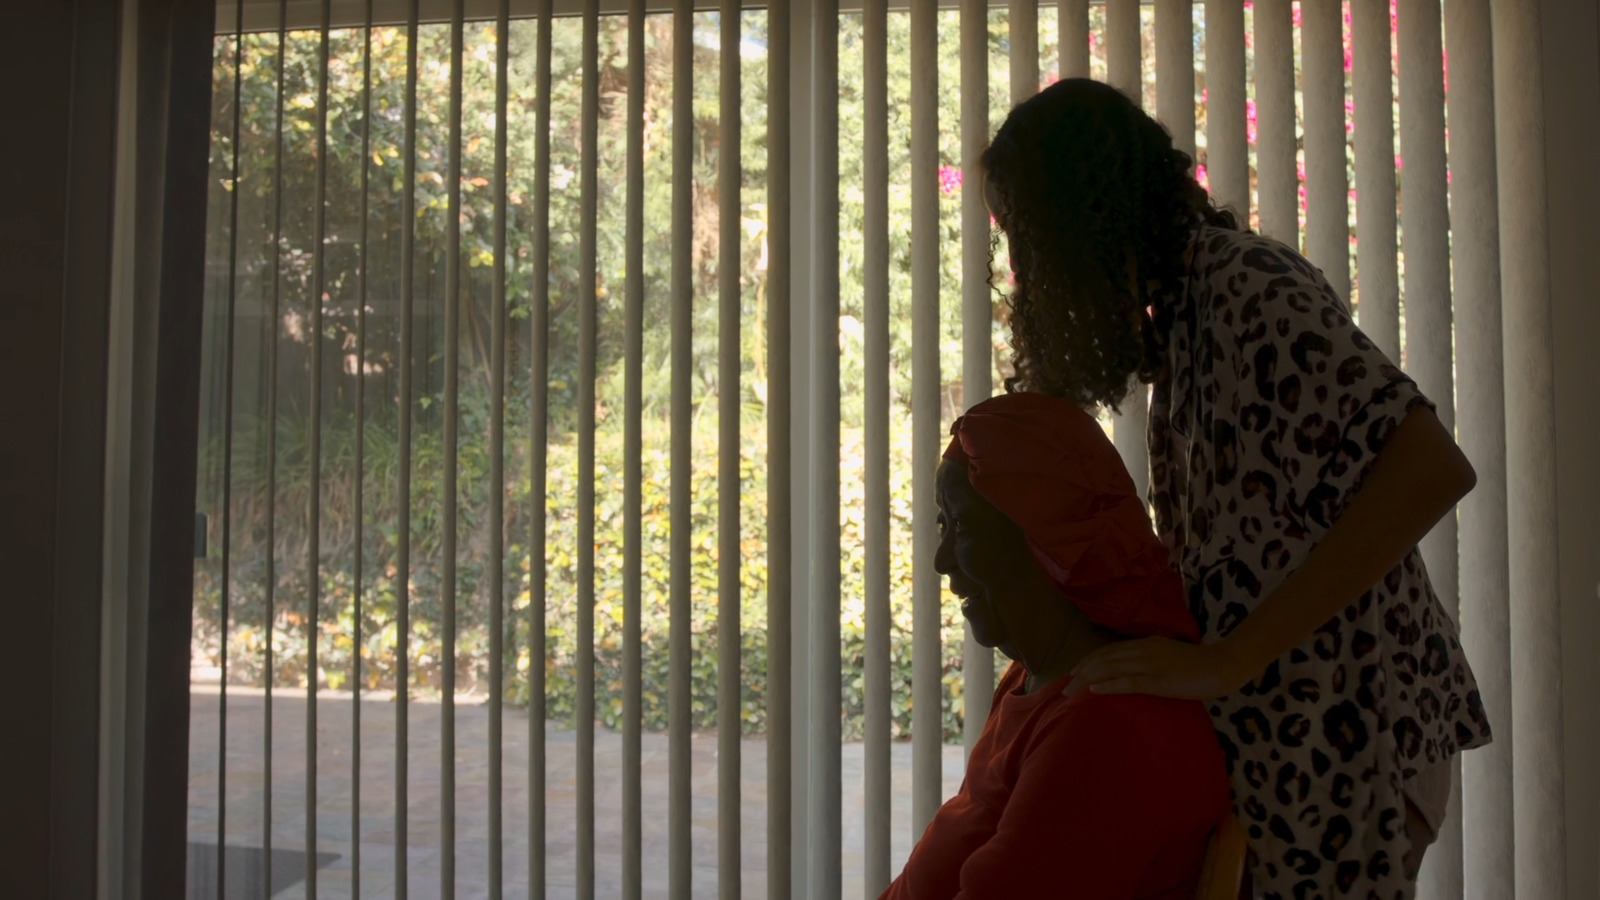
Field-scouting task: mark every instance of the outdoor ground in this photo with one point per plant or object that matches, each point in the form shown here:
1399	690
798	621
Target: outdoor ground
246	802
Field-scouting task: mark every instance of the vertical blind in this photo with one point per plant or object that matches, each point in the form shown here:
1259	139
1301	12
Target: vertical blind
570	228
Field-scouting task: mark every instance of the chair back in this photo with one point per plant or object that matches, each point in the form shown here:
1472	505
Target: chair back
1223	873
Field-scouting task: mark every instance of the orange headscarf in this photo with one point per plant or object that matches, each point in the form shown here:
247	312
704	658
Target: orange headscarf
1049	467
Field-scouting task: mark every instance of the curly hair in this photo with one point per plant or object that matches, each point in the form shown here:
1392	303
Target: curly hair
1096	205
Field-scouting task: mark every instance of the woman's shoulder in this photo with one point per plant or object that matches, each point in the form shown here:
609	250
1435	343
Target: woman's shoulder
1128	718
1167	743
1219	247
1250	260
1241	276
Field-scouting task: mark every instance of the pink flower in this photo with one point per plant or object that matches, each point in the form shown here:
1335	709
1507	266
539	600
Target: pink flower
1297	15
1201	176
1398	165
1250	120
1349	48
950	179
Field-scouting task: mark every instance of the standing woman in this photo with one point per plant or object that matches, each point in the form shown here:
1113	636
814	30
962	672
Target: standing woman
1294	468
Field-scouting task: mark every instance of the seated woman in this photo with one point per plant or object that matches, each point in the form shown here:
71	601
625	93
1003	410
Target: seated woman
1096	797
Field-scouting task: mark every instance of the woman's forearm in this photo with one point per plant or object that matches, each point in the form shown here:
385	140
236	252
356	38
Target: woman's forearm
1417	478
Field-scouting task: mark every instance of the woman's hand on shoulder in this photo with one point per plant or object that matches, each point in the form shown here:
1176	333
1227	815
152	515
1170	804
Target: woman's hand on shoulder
1159	667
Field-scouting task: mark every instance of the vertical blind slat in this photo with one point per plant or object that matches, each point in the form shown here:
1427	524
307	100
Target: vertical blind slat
977	311
679	876
1426	223
402	709
497	454
1124	63
538	450
729	172
452	455
1486	773
1124	68
1327	201
927	738
779	547
1073	23
1536	717
226	593
359	505
824	800
588	326
1377	264
1175	71
875	281
1024	58
1425	219
271	576
319	278
633	475
1227	150
1277	181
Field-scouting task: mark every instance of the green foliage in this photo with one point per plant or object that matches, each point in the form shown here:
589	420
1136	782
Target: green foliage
378	647
266	292
271	285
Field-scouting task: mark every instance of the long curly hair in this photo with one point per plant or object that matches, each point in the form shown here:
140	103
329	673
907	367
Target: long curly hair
1097	207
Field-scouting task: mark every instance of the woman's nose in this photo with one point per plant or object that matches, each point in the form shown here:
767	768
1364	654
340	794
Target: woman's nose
944	558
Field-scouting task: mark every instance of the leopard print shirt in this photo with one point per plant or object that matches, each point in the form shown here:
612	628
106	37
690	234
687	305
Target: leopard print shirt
1267	415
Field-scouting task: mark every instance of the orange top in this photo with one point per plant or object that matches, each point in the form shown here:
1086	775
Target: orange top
1096	797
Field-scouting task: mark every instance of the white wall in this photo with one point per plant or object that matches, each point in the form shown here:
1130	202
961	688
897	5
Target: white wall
1572	117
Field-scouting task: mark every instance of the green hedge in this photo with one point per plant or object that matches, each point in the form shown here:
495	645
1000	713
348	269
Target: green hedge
379	633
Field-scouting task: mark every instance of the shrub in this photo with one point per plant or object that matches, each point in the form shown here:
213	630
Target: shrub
379	639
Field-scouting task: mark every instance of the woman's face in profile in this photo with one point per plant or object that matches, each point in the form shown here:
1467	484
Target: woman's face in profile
985	556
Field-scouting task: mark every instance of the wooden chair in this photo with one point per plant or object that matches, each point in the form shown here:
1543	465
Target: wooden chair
1222	876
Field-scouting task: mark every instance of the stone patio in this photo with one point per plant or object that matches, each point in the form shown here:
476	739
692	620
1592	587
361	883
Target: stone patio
246	783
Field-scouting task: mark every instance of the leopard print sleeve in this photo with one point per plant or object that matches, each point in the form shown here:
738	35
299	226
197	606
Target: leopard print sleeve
1316	398
1269	409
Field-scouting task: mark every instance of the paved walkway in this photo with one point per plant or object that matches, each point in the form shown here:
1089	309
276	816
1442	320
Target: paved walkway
336	842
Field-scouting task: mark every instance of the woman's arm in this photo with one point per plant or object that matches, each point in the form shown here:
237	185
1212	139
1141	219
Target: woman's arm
1417	478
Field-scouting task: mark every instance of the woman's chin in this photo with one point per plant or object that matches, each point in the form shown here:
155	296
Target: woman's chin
980	630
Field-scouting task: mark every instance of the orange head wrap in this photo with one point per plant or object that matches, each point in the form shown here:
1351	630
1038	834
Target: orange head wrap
1047	465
